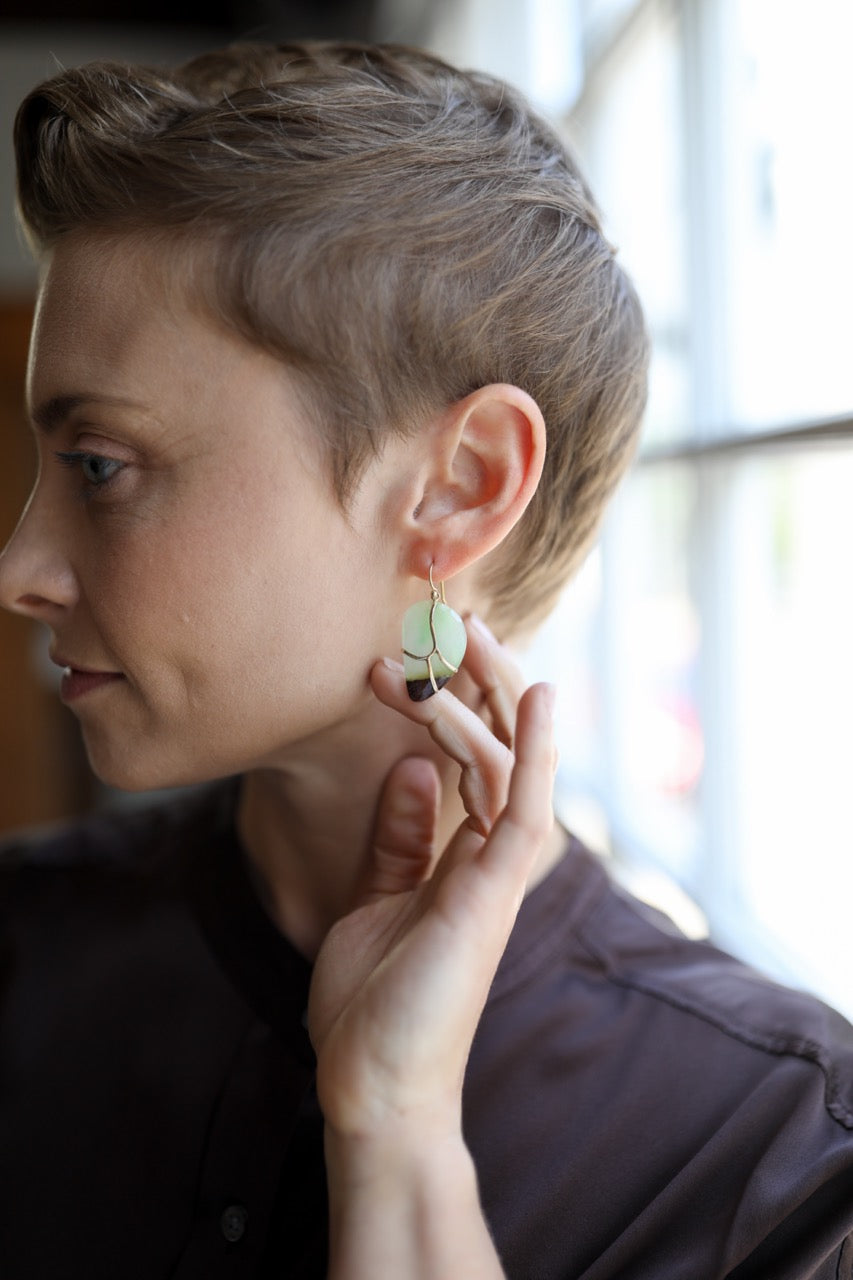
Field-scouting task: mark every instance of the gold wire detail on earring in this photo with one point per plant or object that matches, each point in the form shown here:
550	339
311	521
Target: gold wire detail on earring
434	642
436	593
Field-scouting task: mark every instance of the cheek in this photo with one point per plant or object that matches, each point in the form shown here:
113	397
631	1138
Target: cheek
161	598
248	602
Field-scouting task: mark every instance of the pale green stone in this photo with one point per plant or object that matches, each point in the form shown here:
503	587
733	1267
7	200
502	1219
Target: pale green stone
450	638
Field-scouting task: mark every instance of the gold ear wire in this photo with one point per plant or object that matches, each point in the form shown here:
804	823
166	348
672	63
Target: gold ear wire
437	593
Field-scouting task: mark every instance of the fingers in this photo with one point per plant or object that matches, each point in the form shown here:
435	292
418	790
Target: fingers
526	821
485	757
485	762
403	842
495	674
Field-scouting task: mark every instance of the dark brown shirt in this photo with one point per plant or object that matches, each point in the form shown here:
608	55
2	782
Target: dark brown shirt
638	1106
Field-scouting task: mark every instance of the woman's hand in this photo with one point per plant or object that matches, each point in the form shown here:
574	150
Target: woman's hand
400	982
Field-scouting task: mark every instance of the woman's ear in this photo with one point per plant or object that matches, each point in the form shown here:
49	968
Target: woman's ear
487	458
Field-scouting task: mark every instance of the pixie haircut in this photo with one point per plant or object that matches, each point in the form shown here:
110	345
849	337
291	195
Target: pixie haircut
396	231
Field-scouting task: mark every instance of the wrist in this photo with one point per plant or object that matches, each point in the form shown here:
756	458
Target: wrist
404	1150
406	1203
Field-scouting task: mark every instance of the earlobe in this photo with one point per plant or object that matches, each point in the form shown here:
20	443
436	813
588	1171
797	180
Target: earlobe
488	457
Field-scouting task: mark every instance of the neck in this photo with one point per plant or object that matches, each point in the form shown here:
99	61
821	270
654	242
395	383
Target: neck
307	823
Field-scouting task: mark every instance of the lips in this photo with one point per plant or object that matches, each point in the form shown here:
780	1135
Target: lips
78	681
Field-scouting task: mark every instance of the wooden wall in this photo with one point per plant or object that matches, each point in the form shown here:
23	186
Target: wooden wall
43	774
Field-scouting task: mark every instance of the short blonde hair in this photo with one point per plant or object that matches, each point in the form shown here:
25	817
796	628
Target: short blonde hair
399	232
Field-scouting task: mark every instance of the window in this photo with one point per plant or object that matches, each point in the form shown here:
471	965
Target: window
708	709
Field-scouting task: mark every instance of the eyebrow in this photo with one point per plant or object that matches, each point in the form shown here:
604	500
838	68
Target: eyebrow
52	413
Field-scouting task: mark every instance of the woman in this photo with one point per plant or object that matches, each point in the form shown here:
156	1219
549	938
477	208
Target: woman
304	316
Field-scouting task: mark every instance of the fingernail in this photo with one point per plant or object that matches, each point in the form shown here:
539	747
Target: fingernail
396	667
549	696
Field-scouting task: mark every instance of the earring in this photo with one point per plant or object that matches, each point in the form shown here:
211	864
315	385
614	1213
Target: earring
434	642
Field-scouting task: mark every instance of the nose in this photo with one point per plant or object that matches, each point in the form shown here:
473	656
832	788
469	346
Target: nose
36	577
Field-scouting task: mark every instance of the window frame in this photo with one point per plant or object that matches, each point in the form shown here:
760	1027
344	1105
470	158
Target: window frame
709	442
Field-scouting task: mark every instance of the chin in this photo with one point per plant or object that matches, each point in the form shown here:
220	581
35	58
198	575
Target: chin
145	768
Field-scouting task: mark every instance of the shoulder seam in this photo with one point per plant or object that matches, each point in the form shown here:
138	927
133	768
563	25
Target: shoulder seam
803	1048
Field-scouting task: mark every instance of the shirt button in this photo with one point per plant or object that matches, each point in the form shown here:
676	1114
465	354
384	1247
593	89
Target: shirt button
233	1222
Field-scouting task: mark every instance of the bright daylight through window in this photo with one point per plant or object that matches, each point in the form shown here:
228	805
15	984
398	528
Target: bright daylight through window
708	708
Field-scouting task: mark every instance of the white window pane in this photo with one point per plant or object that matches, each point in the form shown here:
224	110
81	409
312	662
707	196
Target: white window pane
651	654
790	755
788	209
628	131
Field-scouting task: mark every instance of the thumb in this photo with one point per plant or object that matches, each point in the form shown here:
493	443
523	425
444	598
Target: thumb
403	844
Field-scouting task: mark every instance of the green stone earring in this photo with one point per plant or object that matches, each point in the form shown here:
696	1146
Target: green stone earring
434	641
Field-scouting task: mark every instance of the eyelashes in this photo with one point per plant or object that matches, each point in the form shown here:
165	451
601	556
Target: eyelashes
97	471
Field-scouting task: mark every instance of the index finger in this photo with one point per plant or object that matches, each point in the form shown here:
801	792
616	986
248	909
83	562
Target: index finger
461	734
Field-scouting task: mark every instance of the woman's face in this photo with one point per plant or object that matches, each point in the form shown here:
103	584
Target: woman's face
183	543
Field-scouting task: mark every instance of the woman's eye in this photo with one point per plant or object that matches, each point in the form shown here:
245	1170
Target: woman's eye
96	470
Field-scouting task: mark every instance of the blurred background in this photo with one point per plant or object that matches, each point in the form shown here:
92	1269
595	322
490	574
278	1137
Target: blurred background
704	651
